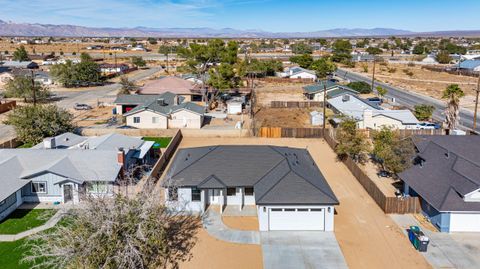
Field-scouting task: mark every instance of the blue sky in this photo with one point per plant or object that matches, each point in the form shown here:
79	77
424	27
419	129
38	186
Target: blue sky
268	15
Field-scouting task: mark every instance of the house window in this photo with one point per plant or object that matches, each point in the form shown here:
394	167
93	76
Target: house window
39	187
289	209
155	119
172	194
136	119
231	192
97	187
196	194
249	191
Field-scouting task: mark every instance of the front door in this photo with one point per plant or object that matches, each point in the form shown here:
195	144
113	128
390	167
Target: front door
67	193
213	196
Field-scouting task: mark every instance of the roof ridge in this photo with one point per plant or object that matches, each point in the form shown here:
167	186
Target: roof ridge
270	170
458	155
212	176
276	183
201	157
445	197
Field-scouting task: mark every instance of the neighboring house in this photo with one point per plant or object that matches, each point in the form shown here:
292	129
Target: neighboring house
113	68
23	65
34	175
136	150
298	73
315	92
41	77
371	116
430	59
179	86
363	57
470	65
65	168
284	184
162	111
446	176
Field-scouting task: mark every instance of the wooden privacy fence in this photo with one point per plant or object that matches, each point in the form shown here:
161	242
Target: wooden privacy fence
279	132
166	155
286	80
389	205
7	106
295	104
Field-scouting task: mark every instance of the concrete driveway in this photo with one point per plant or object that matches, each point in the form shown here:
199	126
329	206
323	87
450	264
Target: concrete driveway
454	250
283	249
296	249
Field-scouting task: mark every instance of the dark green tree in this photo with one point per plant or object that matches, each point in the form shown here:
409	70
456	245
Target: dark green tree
138	61
304	60
323	67
341	51
423	112
360	86
392	152
351	142
21	54
33	123
21	87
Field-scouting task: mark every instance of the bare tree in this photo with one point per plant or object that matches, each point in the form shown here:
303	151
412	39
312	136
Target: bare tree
452	94
117	231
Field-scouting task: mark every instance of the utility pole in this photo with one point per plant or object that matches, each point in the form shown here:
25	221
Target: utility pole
476	103
33	89
373	74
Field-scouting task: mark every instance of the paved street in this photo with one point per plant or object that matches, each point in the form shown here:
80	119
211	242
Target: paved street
103	94
410	98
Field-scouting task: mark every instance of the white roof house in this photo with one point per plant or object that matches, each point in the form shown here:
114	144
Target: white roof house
298	73
371	116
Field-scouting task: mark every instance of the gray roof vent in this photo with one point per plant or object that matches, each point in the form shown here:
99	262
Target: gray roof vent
346	98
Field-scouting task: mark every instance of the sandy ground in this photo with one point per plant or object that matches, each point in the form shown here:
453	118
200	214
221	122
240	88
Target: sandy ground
241	223
268	92
95	116
386	184
212	254
368	238
423	81
283	117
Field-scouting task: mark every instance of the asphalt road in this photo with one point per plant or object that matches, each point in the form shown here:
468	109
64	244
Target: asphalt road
103	93
410	99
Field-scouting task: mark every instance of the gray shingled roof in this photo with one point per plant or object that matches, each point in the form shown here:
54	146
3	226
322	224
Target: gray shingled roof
318	87
138	99
451	169
279	175
64	141
154	106
17	166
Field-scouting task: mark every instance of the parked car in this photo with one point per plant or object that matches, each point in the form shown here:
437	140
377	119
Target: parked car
375	100
428	126
78	106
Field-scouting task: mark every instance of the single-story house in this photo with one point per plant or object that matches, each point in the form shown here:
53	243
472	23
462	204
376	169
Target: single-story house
113	68
471	65
67	167
41	77
363	57
297	72
162	111
189	90
371	116
18	64
284	184
446	177
315	92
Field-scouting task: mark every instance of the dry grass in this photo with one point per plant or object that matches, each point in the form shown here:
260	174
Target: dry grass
422	81
283	117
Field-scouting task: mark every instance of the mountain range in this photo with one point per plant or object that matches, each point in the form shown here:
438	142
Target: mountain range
35	29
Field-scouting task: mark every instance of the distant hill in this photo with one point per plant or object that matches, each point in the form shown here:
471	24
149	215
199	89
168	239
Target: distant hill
35	29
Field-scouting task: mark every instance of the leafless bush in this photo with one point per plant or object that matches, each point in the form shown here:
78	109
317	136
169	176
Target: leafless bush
117	232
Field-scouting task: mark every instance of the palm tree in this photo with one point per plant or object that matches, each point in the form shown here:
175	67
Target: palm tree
452	94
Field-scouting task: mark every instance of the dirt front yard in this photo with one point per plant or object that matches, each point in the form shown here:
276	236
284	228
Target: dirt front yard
367	237
268	92
418	79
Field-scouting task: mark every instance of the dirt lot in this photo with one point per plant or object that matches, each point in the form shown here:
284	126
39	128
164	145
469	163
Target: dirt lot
95	116
422	81
269	92
368	238
241	223
283	117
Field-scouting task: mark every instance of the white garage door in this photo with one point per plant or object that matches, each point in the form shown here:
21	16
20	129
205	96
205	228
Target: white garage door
464	222
301	219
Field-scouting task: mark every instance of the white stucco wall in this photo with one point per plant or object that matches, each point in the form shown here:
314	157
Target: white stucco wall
464	222
379	121
146	120
263	215
185	119
184	202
